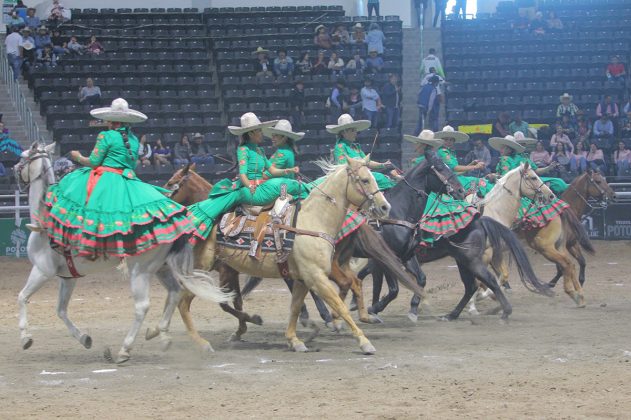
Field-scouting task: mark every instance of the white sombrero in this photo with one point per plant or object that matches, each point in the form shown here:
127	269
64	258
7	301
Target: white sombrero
249	122
425	137
448	132
260	50
565	96
119	112
523	140
283	128
509	141
345	122
317	28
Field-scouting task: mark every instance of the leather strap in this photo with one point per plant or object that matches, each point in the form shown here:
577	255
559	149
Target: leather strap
397	222
70	263
297	231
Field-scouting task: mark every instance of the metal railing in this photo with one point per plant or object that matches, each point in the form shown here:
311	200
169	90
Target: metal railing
17	209
17	97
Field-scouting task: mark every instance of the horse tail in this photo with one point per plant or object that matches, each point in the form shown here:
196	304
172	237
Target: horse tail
574	225
499	235
371	244
200	283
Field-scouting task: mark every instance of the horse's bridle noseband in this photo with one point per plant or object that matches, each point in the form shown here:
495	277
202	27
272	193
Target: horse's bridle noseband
368	197
34	155
173	189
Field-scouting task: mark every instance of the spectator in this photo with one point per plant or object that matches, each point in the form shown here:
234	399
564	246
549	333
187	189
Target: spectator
354	102
603	128
439	10
31	20
322	39
355	65
479	153
375	38
28	49
359	36
538	26
60	47
578	159
501	126
419	13
297	104
336	99
566	106
371	103
596	159
521	22
303	66
583	128
391	99
428	106
340	36
615	70
182	151
56	15
46	58
627	107
561	137
94	47
625	126
263	67
21	9
89	93
622	158
144	152
320	64
75	47
568	126
283	65
161	153
374	63
336	65
432	61
373	6
540	156
518	125
561	157
15	22
8	145
42	40
13	47
553	22
607	107
200	152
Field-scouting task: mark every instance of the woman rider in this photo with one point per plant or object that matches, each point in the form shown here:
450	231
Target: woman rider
346	147
450	136
284	139
103	208
250	187
442	215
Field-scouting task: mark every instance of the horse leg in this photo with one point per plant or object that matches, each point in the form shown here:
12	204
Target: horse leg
415	268
570	283
298	294
185	312
393	292
575	251
557	276
229	278
470	286
304	313
251	284
36	280
358	293
480	271
174	294
377	283
66	287
344	283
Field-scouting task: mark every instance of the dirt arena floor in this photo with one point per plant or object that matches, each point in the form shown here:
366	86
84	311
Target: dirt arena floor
551	361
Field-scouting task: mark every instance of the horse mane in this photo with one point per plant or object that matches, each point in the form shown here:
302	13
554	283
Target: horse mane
499	186
327	166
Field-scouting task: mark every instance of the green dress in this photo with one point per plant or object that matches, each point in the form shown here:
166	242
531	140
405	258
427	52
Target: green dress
121	215
345	149
283	158
227	194
531	214
481	186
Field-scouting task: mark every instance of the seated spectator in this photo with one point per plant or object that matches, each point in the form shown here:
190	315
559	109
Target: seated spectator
283	65
553	22
8	145
94	47
297	104
336	65
262	67
56	15
627	107
518	125
538	26
335	100
540	156
603	128
303	66
20	9
89	93
583	128
521	22
607	107
625	126
500	126
358	37
596	159
561	137
578	159
161	153
430	61
320	64
31	20
371	103
46	58
391	99
340	36
145	152
615	70
566	106
75	47
200	152
355	65
622	159
374	63
375	38
42	40
479	153
182	152
322	39
568	126
561	157
354	103
59	45
15	22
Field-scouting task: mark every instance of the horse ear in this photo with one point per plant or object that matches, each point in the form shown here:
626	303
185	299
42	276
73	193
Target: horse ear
192	167
34	145
50	148
590	171
186	168
526	165
367	159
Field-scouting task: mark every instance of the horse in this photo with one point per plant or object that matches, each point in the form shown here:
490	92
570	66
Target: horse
473	247
35	171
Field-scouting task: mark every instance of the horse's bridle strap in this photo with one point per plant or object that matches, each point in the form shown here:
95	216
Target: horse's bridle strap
330	239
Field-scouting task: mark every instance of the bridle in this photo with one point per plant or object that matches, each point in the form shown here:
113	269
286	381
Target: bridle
603	195
24	184
523	180
173	189
369	197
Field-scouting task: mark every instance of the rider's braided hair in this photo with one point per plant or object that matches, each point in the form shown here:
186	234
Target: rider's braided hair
123	130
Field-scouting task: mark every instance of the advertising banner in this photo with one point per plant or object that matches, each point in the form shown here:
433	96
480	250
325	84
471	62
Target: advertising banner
12	238
618	222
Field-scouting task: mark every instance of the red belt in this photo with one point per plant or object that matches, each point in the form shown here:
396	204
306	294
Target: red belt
95	174
257	181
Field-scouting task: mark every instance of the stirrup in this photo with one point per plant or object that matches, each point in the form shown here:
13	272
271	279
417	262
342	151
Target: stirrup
34	228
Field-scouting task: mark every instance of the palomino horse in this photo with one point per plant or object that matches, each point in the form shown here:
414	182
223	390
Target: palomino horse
36	170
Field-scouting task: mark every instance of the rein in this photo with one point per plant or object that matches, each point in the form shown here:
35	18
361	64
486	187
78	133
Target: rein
23	184
591	207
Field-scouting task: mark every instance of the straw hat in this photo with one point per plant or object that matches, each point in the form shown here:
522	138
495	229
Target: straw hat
426	137
565	96
260	50
523	140
509	141
345	122
317	28
249	122
358	26
283	128
198	136
119	112
448	132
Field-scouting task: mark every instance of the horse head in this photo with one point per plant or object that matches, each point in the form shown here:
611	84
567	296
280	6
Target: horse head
597	186
365	193
524	181
35	163
186	186
440	178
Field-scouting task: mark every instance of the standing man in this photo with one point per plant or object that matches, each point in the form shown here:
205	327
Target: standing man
13	44
391	99
373	5
439	9
432	61
297	104
461	6
420	13
428	105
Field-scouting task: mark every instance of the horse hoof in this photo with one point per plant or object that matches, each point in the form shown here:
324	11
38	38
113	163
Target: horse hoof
368	349
305	322
86	341
151	333
166	345
374	319
413	317
504	320
330	325
27	342
552	284
123	356
234	338
446	318
207	348
256	320
353	307
337	326
300	348
474	312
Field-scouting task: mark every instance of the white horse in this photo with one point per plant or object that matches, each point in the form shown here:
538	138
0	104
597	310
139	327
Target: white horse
36	171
